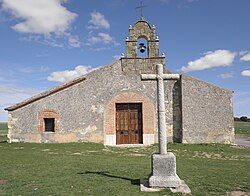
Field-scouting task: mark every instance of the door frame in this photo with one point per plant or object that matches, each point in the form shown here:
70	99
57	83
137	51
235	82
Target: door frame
140	129
149	117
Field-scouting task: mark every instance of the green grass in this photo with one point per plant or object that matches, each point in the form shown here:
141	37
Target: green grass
92	169
3	131
242	128
3	126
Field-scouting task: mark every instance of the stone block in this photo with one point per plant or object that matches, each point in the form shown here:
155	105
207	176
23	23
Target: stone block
110	140
164	171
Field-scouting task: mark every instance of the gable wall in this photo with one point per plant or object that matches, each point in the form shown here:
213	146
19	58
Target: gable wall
81	107
207	112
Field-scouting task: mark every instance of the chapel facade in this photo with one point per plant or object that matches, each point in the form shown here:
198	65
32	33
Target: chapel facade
113	106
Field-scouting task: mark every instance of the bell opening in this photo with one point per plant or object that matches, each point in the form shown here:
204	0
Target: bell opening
142	48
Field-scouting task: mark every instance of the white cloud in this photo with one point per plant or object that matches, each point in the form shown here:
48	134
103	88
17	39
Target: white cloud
49	41
98	41
211	59
10	95
243	52
40	17
116	44
67	75
100	37
226	75
5	89
106	38
246	73
46	22
54	41
98	21
116	57
245	56
74	42
100	49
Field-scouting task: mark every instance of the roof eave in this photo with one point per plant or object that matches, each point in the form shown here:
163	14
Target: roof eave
45	94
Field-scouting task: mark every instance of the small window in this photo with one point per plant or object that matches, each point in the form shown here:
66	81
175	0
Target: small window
49	124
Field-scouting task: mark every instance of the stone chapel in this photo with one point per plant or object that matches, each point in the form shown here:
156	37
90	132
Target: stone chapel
113	106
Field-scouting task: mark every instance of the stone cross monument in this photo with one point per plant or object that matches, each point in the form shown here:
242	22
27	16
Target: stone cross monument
164	163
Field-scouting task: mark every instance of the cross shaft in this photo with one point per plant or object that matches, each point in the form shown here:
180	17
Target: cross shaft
160	77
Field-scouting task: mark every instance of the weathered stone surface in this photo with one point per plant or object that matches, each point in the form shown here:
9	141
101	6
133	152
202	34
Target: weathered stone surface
144	186
142	29
183	188
164	171
84	108
196	112
75	107
161	108
141	65
207	112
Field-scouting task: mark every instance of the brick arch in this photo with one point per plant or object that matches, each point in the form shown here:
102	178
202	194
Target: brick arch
148	117
48	113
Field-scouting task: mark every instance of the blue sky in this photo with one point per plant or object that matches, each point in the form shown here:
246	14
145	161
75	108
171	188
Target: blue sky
45	43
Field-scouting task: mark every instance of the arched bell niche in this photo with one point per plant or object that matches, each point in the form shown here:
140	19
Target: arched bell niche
142	32
142	48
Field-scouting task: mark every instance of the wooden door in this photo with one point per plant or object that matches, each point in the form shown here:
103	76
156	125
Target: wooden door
128	123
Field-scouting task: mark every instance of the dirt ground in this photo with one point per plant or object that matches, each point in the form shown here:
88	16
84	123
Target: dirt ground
242	141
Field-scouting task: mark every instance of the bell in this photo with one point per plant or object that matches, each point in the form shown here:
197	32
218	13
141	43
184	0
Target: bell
142	47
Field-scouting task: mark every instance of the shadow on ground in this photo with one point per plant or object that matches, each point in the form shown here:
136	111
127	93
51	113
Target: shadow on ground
106	174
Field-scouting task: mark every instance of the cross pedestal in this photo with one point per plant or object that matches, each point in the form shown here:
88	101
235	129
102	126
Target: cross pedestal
164	163
164	171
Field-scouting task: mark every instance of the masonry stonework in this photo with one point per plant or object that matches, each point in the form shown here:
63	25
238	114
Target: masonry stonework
48	114
84	109
142	29
207	114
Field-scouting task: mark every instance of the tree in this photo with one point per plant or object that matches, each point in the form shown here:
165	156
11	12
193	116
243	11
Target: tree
243	118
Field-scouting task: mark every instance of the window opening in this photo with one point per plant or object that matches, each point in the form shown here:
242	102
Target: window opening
49	124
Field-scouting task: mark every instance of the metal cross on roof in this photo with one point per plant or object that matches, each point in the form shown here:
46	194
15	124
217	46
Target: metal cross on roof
141	8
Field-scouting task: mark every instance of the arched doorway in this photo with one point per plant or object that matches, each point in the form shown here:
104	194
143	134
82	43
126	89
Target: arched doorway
136	123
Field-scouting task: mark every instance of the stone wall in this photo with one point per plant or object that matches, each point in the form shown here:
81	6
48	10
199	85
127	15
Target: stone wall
207	112
142	29
141	65
81	107
196	112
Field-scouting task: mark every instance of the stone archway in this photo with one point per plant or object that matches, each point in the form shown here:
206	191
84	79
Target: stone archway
148	117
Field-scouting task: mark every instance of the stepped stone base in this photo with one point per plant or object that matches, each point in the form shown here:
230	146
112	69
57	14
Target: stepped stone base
183	188
164	171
